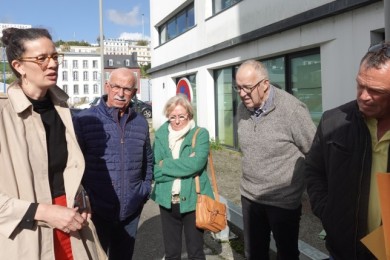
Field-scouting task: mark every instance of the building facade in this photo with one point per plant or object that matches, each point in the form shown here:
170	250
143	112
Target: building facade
312	50
127	47
79	76
12	25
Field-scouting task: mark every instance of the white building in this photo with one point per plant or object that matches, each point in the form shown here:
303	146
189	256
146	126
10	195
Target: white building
12	25
312	50
127	47
79	76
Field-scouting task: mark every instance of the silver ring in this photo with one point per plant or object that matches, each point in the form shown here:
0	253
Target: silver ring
66	230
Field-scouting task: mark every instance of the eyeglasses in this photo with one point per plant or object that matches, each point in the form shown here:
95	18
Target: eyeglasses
117	88
181	118
379	47
44	60
247	90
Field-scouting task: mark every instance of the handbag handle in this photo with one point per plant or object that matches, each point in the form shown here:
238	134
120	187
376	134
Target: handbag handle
213	179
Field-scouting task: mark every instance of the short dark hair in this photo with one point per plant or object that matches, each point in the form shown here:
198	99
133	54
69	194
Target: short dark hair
376	56
14	39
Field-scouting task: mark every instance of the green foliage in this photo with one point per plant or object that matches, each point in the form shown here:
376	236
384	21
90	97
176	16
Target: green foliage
237	245
144	70
215	144
142	43
72	43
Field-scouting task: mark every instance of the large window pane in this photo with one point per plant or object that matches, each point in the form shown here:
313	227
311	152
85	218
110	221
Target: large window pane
225	113
181	22
276	72
190	17
306	82
171	29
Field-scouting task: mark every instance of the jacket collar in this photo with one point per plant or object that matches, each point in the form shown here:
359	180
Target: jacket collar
20	102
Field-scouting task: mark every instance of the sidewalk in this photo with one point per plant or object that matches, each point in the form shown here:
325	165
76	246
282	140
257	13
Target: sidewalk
149	242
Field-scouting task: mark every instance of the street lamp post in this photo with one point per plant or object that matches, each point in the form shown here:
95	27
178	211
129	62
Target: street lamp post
101	46
4	79
143	29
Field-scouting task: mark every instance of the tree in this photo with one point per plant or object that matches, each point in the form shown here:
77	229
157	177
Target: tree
144	70
142	43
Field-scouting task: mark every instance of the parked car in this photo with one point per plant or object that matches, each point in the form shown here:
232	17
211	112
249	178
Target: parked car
142	107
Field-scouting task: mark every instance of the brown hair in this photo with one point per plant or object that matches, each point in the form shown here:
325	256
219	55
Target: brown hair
14	39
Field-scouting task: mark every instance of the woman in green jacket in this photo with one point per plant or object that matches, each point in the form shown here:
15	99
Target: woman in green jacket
176	165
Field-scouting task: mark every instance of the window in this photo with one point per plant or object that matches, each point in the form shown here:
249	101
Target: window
64	76
85	75
86	88
303	79
219	5
95	88
226	106
127	63
76	89
297	73
65	88
95	75
178	24
85	64
95	64
75	76
65	64
110	62
75	64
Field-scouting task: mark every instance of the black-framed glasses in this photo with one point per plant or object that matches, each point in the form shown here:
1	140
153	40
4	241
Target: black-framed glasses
116	88
43	60
379	47
181	118
247	90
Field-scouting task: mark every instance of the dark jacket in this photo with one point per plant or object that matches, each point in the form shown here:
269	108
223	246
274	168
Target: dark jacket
119	160
338	170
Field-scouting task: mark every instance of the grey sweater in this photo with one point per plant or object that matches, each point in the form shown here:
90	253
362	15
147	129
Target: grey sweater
274	148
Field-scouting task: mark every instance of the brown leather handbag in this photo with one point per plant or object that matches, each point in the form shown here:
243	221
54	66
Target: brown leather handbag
210	214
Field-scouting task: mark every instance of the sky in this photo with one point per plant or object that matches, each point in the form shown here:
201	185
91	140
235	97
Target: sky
72	20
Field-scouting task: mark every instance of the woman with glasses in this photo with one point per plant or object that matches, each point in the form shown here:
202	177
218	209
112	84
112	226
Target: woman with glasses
176	165
44	211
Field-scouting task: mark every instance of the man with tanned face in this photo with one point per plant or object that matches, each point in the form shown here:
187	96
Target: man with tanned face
350	146
119	163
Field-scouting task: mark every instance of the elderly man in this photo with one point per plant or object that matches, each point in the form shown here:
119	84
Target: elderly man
350	146
119	163
275	132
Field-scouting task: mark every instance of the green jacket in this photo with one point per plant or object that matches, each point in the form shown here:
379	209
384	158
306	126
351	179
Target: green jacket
185	167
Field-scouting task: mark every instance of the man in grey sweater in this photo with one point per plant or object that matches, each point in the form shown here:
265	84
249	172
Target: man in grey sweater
275	132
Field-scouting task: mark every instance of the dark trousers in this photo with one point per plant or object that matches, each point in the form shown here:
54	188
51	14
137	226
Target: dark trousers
173	223
117	237
259	220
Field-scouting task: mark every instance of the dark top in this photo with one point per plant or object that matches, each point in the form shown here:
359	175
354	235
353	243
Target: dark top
56	150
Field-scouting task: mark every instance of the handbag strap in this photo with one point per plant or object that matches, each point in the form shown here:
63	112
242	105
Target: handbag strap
213	179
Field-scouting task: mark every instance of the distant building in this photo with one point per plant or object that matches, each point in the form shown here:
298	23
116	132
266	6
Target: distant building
80	76
127	47
12	25
112	62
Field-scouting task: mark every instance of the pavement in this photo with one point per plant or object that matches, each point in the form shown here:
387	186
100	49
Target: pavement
149	243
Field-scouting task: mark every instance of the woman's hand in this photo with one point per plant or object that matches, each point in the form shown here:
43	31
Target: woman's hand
60	217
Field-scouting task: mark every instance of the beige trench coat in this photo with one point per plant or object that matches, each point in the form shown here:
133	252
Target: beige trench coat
24	179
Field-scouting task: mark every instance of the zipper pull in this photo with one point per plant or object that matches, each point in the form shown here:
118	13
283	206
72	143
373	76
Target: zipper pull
122	142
